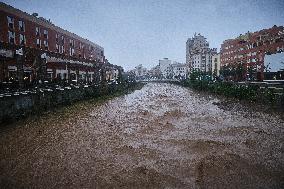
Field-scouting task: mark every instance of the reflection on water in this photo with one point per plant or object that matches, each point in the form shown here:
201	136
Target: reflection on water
163	136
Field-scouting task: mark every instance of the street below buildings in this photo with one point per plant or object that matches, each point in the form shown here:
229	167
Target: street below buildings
162	136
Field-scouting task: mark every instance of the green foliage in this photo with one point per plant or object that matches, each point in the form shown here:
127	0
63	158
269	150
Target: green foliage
234	72
230	89
195	75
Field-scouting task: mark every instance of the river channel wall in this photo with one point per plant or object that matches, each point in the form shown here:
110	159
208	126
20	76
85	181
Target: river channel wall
19	105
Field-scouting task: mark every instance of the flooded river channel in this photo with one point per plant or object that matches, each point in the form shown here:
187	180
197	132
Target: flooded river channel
162	136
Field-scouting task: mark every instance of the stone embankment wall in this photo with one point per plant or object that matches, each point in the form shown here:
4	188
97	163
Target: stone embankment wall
22	104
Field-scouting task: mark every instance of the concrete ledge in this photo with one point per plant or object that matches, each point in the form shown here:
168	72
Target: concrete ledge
14	107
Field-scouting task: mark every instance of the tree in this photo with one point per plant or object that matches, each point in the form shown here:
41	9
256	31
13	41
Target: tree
195	75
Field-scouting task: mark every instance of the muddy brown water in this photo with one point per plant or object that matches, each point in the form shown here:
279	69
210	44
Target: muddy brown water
162	136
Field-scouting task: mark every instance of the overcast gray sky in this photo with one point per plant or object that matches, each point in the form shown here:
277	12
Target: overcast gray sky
136	32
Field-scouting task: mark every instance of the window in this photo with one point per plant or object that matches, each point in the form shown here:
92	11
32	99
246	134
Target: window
45	34
56	37
80	45
11	36
10	22
72	43
22	39
62	49
71	51
59	76
37	31
57	48
62	40
45	43
21	26
38	43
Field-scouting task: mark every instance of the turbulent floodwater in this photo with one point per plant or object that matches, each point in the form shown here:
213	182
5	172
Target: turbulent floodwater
162	136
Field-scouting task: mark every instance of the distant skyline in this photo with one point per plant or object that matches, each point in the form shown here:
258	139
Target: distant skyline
136	32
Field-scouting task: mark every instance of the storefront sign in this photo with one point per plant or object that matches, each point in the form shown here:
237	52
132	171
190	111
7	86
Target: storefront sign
6	53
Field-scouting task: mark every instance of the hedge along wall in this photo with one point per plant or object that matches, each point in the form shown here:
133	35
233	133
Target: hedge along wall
272	96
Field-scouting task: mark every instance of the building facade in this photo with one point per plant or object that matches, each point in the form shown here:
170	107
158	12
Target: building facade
216	64
179	70
172	70
198	54
165	67
140	72
248	50
59	54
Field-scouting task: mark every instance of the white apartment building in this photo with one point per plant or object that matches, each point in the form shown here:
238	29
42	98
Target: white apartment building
216	64
198	54
172	70
179	70
165	67
140	71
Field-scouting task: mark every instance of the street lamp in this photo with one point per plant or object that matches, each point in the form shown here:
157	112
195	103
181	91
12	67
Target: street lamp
20	66
42	67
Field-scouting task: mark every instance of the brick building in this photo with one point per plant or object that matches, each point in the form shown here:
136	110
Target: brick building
58	53
249	50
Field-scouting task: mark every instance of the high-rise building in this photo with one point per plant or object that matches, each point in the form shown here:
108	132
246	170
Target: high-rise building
198	53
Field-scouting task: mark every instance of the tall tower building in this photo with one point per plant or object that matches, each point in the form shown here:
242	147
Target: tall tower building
198	53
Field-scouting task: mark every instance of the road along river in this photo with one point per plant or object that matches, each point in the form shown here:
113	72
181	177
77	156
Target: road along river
162	136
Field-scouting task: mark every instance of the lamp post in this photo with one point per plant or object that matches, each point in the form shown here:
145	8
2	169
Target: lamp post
20	67
42	68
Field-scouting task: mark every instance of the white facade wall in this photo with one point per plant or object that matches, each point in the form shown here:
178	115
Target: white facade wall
216	64
198	54
165	67
179	70
140	71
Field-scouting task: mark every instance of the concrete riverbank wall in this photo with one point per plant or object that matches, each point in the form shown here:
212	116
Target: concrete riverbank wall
18	105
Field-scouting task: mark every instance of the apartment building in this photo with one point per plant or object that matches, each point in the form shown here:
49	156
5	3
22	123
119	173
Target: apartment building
179	70
165	67
172	70
66	55
249	49
216	64
198	53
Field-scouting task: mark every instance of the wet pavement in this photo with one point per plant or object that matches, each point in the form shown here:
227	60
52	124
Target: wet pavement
162	136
